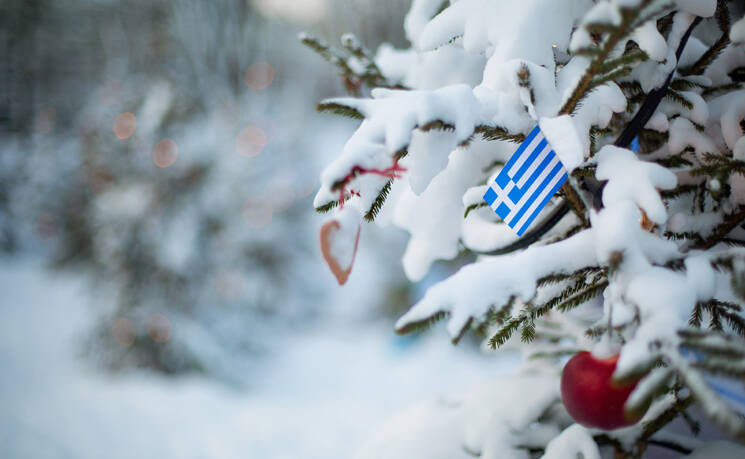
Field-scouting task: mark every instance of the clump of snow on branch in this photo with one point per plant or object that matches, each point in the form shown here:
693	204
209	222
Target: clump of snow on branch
483	422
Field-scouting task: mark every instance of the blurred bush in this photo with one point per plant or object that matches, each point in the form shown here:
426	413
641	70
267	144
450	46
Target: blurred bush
170	148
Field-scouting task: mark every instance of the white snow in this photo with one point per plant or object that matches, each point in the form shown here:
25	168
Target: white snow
394	63
391	116
703	8
322	392
434	217
738	151
699	113
474	288
603	13
574	441
737	31
683	134
719	449
658	122
651	41
563	137
483	421
630	178
482	23
428	156
419	15
733	112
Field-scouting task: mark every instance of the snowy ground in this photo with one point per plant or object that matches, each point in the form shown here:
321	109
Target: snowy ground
319	398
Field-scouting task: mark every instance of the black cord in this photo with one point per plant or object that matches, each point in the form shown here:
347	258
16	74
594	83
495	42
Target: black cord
641	118
594	186
533	235
670	445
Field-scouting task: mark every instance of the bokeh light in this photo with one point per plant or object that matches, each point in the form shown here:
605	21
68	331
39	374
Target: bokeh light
159	328
257	213
259	75
250	141
124	125
165	153
124	331
45	120
268	125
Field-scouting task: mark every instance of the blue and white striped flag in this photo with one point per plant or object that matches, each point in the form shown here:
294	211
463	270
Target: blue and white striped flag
526	183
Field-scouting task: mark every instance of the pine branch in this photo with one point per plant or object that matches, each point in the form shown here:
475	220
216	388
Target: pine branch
340	109
685	84
582	297
335	58
723	367
716	90
654	425
713	344
731	221
631	57
677	192
572	296
497	133
528	331
709	401
688	235
327	207
353	80
708	57
378	202
559	277
717	165
600	56
504	333
424	324
655	384
474	207
372	75
613	75
673	161
678	98
575	199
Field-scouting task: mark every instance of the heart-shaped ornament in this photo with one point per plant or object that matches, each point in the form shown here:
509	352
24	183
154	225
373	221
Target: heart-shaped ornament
339	239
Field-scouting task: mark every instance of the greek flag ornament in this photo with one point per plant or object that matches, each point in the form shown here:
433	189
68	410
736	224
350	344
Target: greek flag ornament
526	183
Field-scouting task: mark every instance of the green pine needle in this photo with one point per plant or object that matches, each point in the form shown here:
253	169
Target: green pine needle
379	201
424	324
340	109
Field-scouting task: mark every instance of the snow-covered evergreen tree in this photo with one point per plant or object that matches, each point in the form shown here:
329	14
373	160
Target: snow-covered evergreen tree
639	257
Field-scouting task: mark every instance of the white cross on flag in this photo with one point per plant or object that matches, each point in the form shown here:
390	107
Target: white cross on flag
526	183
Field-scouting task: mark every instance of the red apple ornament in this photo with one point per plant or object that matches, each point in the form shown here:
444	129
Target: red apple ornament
591	397
340	236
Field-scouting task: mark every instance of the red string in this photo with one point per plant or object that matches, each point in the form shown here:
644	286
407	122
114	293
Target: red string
392	172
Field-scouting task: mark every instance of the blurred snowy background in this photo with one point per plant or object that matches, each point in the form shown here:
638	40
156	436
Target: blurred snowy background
162	292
